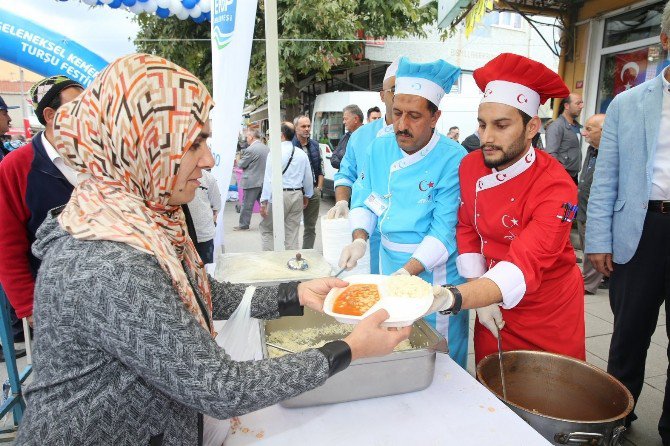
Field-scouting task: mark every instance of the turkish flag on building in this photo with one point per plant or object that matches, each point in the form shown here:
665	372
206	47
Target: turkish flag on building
629	69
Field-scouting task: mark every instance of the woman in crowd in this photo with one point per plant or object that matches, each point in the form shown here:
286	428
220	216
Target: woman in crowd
124	350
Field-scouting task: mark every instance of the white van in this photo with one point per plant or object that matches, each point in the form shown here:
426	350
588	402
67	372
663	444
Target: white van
327	126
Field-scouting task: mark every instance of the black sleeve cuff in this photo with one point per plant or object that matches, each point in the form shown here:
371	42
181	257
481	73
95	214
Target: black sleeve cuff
288	302
338	354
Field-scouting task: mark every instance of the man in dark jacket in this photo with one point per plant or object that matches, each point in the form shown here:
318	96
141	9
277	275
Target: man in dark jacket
352	118
303	127
592	132
472	142
563	135
33	180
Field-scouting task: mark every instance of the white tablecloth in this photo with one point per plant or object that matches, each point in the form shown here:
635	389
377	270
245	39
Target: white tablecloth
454	410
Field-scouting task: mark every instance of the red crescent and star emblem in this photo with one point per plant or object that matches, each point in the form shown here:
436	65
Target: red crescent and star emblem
488	92
425	185
529	158
501	176
521	99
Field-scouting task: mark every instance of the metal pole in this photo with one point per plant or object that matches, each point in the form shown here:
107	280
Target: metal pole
274	117
24	111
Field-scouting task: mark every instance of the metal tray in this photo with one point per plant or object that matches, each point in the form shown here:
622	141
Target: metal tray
400	372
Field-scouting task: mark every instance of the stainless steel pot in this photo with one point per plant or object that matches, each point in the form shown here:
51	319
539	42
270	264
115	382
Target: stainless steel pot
566	400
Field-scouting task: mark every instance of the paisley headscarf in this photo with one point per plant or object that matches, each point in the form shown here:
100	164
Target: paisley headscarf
129	130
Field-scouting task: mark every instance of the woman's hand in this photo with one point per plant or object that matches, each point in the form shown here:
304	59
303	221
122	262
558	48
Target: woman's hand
312	293
369	339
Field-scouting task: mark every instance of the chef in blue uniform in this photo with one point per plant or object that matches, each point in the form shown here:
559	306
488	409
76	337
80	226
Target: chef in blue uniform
409	190
355	156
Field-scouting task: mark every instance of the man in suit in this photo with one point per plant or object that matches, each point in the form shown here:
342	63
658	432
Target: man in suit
252	162
628	231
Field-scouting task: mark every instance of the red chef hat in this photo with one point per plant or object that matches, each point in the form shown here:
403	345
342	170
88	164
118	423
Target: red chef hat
520	82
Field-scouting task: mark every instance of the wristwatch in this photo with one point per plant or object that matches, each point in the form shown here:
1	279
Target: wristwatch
458	301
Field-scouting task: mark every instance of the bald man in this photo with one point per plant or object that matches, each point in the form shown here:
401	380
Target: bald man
591	132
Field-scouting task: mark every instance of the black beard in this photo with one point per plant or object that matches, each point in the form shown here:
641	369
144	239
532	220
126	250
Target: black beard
513	151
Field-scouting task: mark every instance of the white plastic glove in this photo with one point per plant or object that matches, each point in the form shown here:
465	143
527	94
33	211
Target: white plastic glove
490	317
443	299
352	253
340	210
401	272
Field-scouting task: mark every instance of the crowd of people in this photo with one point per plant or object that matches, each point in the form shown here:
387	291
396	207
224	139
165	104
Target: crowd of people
109	218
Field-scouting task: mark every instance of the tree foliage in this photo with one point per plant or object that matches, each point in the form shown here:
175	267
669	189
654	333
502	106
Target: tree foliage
316	36
183	42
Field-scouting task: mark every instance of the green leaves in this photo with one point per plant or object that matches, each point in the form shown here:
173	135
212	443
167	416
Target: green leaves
316	37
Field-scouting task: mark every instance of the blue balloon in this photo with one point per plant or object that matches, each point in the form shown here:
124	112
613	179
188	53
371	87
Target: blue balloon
99	3
142	1
115	4
201	18
129	2
163	13
208	15
189	4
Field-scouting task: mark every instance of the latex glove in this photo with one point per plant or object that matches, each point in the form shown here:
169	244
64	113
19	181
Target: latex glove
340	210
352	253
491	316
443	299
401	272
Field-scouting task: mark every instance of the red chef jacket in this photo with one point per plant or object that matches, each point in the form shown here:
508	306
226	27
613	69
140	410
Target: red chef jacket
514	228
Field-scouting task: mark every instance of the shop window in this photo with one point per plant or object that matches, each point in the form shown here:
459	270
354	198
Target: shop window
633	25
504	19
623	70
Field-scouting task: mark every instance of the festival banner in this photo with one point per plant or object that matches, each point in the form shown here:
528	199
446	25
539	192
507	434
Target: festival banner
45	52
232	34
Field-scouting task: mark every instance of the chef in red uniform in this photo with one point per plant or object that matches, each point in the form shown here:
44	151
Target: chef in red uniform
513	232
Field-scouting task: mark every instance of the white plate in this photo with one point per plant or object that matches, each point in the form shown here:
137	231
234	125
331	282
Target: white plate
403	311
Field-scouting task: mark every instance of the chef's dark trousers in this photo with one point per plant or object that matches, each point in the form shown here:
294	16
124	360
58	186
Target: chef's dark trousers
637	290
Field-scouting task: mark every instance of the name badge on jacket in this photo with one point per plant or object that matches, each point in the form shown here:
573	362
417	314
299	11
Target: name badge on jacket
376	203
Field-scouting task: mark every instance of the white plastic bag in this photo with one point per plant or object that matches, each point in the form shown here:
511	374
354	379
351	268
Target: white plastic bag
240	337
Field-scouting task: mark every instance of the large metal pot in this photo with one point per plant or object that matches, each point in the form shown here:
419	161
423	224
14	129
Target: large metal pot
566	400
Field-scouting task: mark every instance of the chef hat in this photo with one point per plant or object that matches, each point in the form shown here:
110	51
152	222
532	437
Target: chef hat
520	82
429	80
391	70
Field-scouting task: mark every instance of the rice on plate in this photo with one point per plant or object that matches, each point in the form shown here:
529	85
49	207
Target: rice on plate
406	298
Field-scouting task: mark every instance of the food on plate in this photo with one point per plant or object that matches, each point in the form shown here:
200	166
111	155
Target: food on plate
356	299
300	340
407	286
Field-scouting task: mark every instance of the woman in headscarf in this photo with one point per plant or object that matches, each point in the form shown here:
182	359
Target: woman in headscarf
123	349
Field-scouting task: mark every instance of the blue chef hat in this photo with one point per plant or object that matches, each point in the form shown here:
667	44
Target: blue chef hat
429	80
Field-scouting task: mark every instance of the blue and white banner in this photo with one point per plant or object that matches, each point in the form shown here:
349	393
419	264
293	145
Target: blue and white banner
45	52
232	34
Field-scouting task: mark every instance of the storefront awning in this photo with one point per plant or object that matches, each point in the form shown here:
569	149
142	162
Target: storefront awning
451	12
